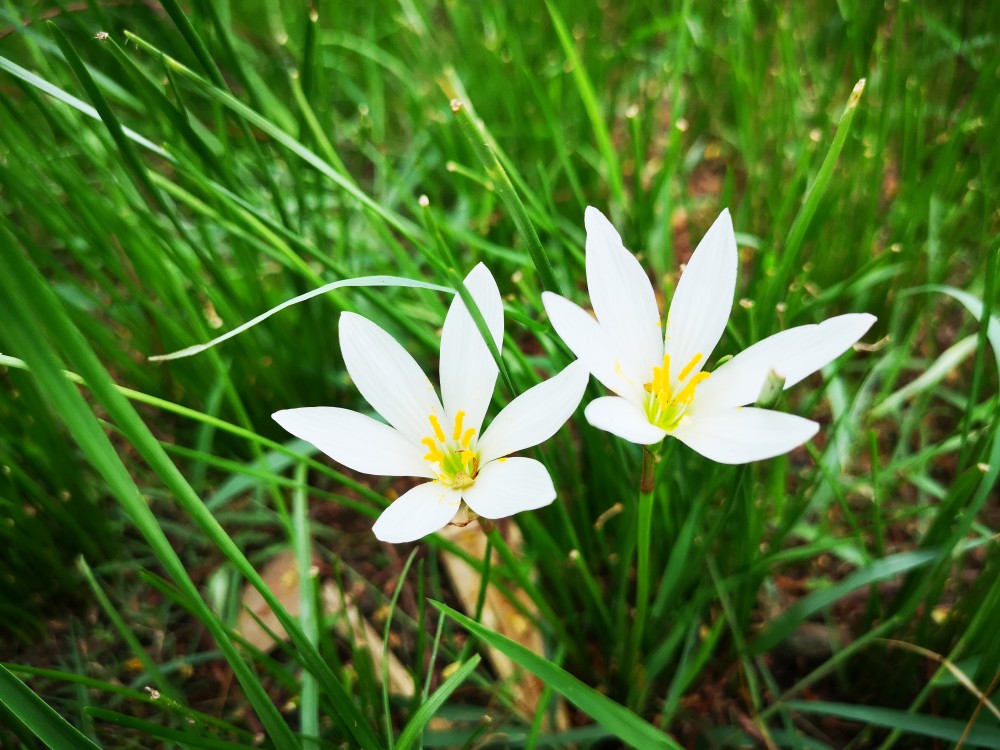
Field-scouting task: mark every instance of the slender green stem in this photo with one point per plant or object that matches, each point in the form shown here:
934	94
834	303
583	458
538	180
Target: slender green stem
647	485
302	544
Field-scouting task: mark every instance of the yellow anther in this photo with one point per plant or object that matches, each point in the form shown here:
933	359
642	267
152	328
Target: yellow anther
433	453
660	385
690	366
467	456
687	392
458	425
467	437
438	432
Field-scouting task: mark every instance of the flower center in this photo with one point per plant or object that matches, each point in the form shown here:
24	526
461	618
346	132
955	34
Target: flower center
455	460
669	399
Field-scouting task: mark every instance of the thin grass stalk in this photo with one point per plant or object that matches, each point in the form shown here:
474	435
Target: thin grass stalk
302	541
389	734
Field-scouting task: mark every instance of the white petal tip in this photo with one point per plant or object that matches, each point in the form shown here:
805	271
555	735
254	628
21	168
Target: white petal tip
594	219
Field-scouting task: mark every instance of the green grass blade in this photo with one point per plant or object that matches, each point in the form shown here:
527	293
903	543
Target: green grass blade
107	116
150	730
254	118
302	543
950	730
614	717
24	282
415	726
793	243
880	570
34	306
39	717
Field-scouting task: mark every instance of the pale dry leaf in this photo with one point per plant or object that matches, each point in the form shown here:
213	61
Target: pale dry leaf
500	615
354	626
282	577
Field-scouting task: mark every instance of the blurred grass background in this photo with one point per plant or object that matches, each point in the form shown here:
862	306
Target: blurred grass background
203	163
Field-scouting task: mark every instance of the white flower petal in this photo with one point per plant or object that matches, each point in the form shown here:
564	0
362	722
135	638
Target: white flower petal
590	341
623	418
738	436
417	513
535	415
793	354
388	377
622	296
468	370
355	440
704	298
508	486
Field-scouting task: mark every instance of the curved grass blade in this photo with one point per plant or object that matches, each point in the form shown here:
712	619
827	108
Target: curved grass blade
78	104
415	726
149	730
614	717
360	281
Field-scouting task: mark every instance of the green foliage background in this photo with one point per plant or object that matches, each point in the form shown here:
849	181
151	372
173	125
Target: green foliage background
199	165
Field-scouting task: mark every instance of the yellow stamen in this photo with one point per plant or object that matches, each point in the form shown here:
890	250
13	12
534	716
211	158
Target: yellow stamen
433	453
458	425
467	456
687	392
437	428
660	384
467	437
690	366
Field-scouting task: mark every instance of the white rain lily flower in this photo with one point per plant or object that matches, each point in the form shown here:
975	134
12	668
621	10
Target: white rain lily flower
661	385
441	440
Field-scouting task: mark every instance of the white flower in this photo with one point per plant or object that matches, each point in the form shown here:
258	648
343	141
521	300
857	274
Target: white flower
441	441
661	386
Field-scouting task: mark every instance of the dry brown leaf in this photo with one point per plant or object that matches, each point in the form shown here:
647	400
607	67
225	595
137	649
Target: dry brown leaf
500	615
282	576
400	682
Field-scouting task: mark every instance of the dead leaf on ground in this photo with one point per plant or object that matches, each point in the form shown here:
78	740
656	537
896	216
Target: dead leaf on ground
500	615
282	576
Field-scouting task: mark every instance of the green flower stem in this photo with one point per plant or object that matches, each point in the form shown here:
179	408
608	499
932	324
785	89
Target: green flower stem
647	485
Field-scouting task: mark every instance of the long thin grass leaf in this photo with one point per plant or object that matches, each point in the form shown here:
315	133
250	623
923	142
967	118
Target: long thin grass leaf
415	726
614	717
39	717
